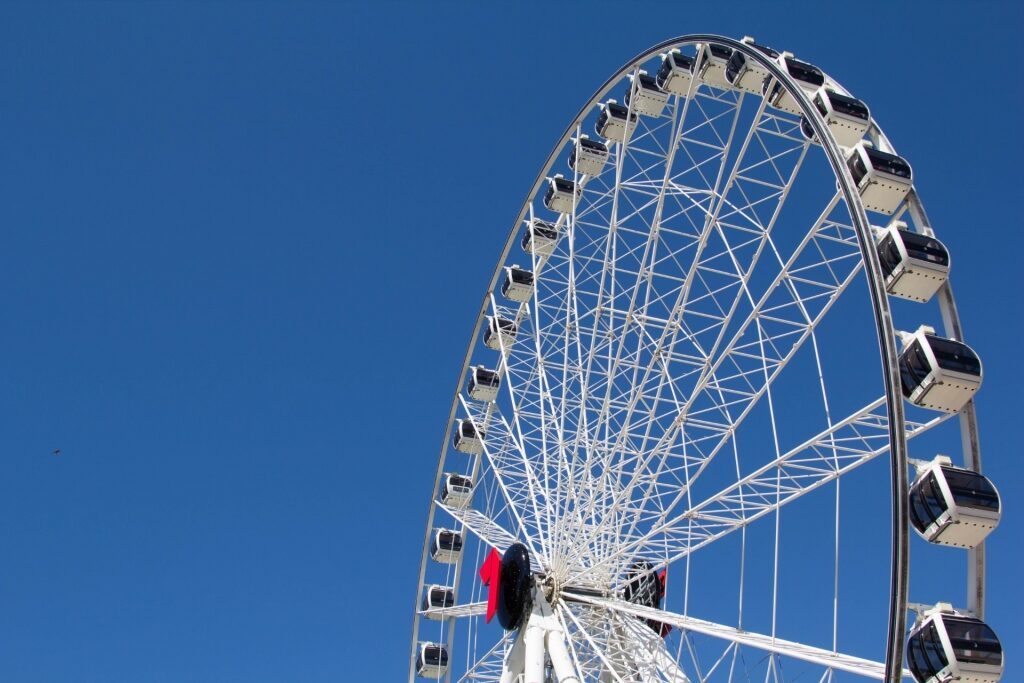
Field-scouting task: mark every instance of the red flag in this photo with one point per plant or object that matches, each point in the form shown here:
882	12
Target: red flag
490	575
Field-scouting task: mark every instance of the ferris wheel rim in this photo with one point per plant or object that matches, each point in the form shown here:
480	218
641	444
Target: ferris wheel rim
885	332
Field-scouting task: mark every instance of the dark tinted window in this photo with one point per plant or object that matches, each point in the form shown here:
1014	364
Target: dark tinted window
954	356
647	82
736	64
587	143
925	654
924	248
616	110
441	597
971	489
520	276
926	502
848	105
802	71
720	51
857	168
889	255
546	230
819	104
459	480
888	163
563	185
435	655
973	641
914	368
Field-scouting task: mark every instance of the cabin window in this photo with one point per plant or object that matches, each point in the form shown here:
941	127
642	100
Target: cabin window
971	489
925	653
889	255
924	248
973	641
954	356
857	168
848	105
914	368
888	163
805	72
926	503
720	51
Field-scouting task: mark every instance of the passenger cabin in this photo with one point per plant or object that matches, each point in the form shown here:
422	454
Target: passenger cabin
499	332
588	157
467	438
953	506
457	490
483	384
446	546
745	73
615	121
882	179
518	284
432	660
437	598
847	117
807	76
676	73
562	194
713	63
945	646
644	96
539	238
914	265
938	373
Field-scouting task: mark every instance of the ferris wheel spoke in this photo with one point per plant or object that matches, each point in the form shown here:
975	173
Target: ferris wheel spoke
780	318
646	260
777	646
612	364
488	667
735	276
848	444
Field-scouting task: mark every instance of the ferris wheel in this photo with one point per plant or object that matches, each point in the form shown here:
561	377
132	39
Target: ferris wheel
671	455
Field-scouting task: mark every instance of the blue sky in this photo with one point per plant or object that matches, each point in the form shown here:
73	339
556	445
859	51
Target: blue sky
241	249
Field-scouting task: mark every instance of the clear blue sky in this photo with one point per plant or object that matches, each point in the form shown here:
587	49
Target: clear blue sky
241	248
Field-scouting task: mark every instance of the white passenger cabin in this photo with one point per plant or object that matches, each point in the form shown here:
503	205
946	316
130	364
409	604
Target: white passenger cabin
467	438
938	373
483	384
432	660
914	265
518	284
446	546
807	76
562	194
713	63
500	331
882	179
746	73
539	238
588	157
457	490
676	73
615	121
953	506
945	646
436	599
846	117
644	96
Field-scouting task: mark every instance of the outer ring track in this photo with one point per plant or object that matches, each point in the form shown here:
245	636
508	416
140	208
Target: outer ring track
889	353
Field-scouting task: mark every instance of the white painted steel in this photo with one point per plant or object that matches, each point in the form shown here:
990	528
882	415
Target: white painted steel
668	309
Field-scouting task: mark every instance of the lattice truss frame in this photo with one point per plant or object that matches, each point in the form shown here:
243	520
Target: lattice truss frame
678	293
